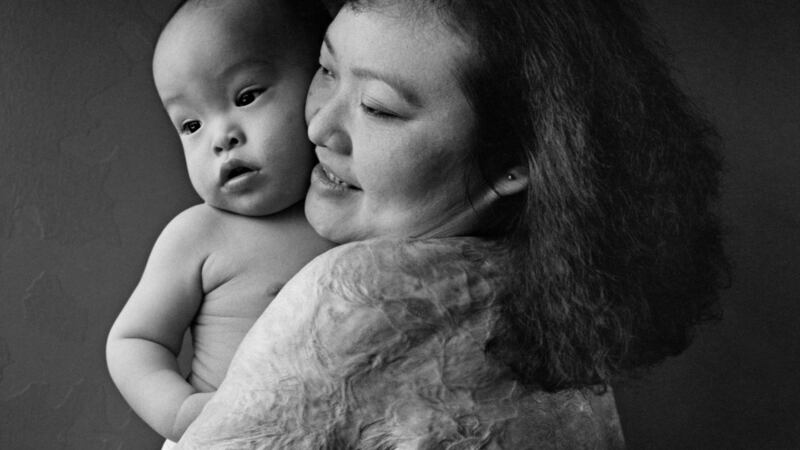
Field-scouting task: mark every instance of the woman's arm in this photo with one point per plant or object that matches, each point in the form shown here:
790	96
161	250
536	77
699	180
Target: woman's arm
146	338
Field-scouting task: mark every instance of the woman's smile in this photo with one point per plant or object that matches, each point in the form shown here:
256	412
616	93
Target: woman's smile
331	179
408	169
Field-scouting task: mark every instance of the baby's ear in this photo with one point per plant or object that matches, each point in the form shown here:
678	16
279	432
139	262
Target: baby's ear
512	181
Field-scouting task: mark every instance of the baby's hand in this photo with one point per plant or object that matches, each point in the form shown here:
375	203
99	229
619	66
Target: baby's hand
189	411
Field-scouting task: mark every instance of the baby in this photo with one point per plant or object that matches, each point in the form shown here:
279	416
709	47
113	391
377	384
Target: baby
233	77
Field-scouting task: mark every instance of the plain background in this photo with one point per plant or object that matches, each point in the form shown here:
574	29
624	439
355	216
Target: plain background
90	172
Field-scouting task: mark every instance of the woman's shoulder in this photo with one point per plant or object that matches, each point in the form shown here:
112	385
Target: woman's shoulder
380	296
382	263
450	274
418	247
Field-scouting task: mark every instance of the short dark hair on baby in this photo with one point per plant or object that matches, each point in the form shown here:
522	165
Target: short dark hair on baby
312	15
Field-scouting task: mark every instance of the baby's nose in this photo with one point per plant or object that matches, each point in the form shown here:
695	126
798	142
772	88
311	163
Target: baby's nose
228	138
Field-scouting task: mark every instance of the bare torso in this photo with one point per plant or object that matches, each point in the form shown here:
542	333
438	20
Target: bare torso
248	261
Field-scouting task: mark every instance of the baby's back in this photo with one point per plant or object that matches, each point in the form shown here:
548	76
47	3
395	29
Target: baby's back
249	260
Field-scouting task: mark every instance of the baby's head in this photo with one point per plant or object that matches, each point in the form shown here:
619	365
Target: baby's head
233	77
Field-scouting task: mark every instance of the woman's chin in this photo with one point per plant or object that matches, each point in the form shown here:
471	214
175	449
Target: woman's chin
332	227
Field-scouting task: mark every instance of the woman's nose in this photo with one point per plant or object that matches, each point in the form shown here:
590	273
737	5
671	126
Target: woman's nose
327	121
227	137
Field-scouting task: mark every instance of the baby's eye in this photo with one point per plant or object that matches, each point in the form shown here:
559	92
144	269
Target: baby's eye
190	126
247	97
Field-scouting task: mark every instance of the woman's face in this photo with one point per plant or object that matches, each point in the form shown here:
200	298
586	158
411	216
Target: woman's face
392	128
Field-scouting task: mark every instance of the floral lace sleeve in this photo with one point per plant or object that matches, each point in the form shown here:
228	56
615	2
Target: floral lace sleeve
380	345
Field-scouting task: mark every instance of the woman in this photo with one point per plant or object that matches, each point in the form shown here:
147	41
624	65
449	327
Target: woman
523	195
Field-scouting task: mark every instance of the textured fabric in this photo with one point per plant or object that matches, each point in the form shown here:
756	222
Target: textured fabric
380	345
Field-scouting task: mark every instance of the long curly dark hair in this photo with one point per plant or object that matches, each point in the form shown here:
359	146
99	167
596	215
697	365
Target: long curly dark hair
616	241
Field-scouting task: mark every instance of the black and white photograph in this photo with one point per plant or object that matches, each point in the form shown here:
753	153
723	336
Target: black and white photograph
399	224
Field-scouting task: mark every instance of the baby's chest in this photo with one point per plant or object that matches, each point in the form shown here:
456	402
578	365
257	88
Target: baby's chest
241	286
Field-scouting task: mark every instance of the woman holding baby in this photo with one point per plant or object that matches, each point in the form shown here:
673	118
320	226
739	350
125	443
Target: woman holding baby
523	197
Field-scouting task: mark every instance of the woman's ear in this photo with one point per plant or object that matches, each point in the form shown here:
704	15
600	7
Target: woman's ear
512	181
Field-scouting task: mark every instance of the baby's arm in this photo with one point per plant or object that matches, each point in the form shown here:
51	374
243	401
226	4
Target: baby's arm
146	338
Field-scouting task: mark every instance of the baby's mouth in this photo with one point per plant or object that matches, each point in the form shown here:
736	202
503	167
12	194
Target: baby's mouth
232	170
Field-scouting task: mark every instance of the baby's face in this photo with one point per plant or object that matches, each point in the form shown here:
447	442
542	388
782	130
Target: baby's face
235	93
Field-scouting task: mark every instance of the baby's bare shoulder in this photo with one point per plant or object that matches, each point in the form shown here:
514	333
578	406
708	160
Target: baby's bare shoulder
193	222
208	228
185	238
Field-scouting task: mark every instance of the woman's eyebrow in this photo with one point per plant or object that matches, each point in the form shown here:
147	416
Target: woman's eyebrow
398	84
401	86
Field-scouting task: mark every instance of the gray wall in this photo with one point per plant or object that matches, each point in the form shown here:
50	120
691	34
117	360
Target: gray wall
90	171
737	386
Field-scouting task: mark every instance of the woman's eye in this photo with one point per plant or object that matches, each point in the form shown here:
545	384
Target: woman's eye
190	126
378	113
324	71
247	97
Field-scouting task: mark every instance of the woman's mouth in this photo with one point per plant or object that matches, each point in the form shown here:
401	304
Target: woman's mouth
330	179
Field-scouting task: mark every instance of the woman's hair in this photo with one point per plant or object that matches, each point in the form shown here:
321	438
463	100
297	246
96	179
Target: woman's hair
618	250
